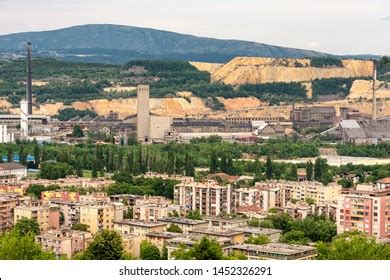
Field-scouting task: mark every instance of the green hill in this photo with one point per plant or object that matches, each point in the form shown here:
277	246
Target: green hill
119	44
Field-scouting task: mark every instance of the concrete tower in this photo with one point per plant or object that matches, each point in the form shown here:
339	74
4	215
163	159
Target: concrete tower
143	113
24	119
29	79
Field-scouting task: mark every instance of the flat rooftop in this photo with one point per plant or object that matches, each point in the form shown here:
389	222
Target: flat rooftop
257	230
184	221
278	248
164	234
140	223
215	232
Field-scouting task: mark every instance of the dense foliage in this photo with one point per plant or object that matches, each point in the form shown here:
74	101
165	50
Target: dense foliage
106	245
69	82
69	113
327	61
381	150
353	246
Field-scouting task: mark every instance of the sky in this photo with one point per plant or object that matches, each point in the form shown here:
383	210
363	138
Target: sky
331	26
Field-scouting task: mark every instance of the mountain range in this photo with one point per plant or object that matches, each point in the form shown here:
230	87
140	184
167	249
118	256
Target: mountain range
118	44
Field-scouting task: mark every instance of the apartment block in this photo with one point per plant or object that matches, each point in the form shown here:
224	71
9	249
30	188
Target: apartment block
59	195
185	224
208	197
7	206
12	172
365	210
154	212
278	194
47	218
70	211
274	251
138	228
97	217
64	241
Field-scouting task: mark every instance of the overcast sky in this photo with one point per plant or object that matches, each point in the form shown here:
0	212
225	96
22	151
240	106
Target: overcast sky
332	26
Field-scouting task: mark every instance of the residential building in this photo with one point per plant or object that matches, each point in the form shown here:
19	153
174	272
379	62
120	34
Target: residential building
234	236
208	197
11	172
96	198
274	251
64	241
219	223
272	234
365	210
190	240
138	228
14	188
154	212
7	206
59	195
159	239
186	225
131	244
70	211
97	217
47	218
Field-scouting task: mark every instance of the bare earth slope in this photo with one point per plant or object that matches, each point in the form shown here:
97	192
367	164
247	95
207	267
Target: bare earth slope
255	70
363	89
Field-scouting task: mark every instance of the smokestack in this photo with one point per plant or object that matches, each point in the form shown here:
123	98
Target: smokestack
29	79
374	110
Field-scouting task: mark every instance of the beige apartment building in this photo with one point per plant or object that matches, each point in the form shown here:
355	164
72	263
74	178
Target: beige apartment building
208	197
278	194
46	217
97	217
64	241
185	224
7	206
154	212
138	228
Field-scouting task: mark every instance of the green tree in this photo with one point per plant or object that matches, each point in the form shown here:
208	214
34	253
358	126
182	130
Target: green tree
309	171
294	237
106	245
213	162
268	168
36	153
258	240
77	131
26	226
81	227
10	154
189	166
207	249
94	173
194	215
14	246
319	169
149	251
236	256
204	249
174	228
293	175
353	246
123	177
22	155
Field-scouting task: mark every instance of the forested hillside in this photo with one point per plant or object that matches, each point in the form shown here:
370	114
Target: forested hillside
59	81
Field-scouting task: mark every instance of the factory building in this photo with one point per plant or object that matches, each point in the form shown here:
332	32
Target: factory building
313	117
